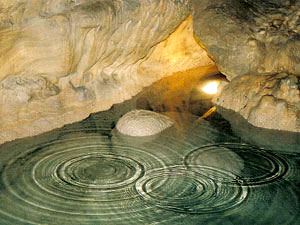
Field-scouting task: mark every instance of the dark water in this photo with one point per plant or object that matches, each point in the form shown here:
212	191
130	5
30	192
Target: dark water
199	172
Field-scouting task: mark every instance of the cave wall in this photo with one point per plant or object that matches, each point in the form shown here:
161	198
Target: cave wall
250	36
256	44
62	60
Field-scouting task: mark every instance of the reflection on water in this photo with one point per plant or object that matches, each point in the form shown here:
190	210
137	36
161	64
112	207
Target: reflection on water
195	173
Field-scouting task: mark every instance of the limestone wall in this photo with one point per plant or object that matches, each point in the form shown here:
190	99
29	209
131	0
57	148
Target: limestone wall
250	36
61	60
256	45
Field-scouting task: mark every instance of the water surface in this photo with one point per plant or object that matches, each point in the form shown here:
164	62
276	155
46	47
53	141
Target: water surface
198	172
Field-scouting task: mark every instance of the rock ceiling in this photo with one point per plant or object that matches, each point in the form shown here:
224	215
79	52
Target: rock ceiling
64	59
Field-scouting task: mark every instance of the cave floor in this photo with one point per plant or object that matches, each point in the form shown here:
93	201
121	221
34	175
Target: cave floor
201	171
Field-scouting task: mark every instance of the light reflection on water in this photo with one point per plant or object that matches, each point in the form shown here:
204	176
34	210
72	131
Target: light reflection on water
196	173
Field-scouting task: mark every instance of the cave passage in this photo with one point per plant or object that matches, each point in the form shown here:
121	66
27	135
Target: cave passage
199	171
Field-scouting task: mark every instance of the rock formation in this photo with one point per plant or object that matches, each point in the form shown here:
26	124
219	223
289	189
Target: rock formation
143	123
250	36
62	60
256	44
270	101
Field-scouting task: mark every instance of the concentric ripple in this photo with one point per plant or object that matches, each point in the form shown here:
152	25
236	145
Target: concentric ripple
100	171
87	179
252	165
86	175
186	191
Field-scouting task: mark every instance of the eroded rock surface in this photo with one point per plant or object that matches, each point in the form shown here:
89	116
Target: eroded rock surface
62	60
270	101
143	123
250	36
256	45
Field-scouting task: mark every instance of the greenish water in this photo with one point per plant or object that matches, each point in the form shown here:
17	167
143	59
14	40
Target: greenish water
199	172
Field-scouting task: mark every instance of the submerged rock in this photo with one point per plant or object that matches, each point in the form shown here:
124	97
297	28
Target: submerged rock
143	123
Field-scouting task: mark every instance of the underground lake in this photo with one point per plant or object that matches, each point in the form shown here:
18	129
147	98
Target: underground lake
216	169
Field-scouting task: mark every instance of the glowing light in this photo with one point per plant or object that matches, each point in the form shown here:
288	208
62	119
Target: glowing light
211	87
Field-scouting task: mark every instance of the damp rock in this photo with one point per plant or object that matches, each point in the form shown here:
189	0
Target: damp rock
285	141
63	60
270	101
143	123
250	37
256	45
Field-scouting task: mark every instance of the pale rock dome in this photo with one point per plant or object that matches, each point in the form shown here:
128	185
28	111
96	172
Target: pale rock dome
143	123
